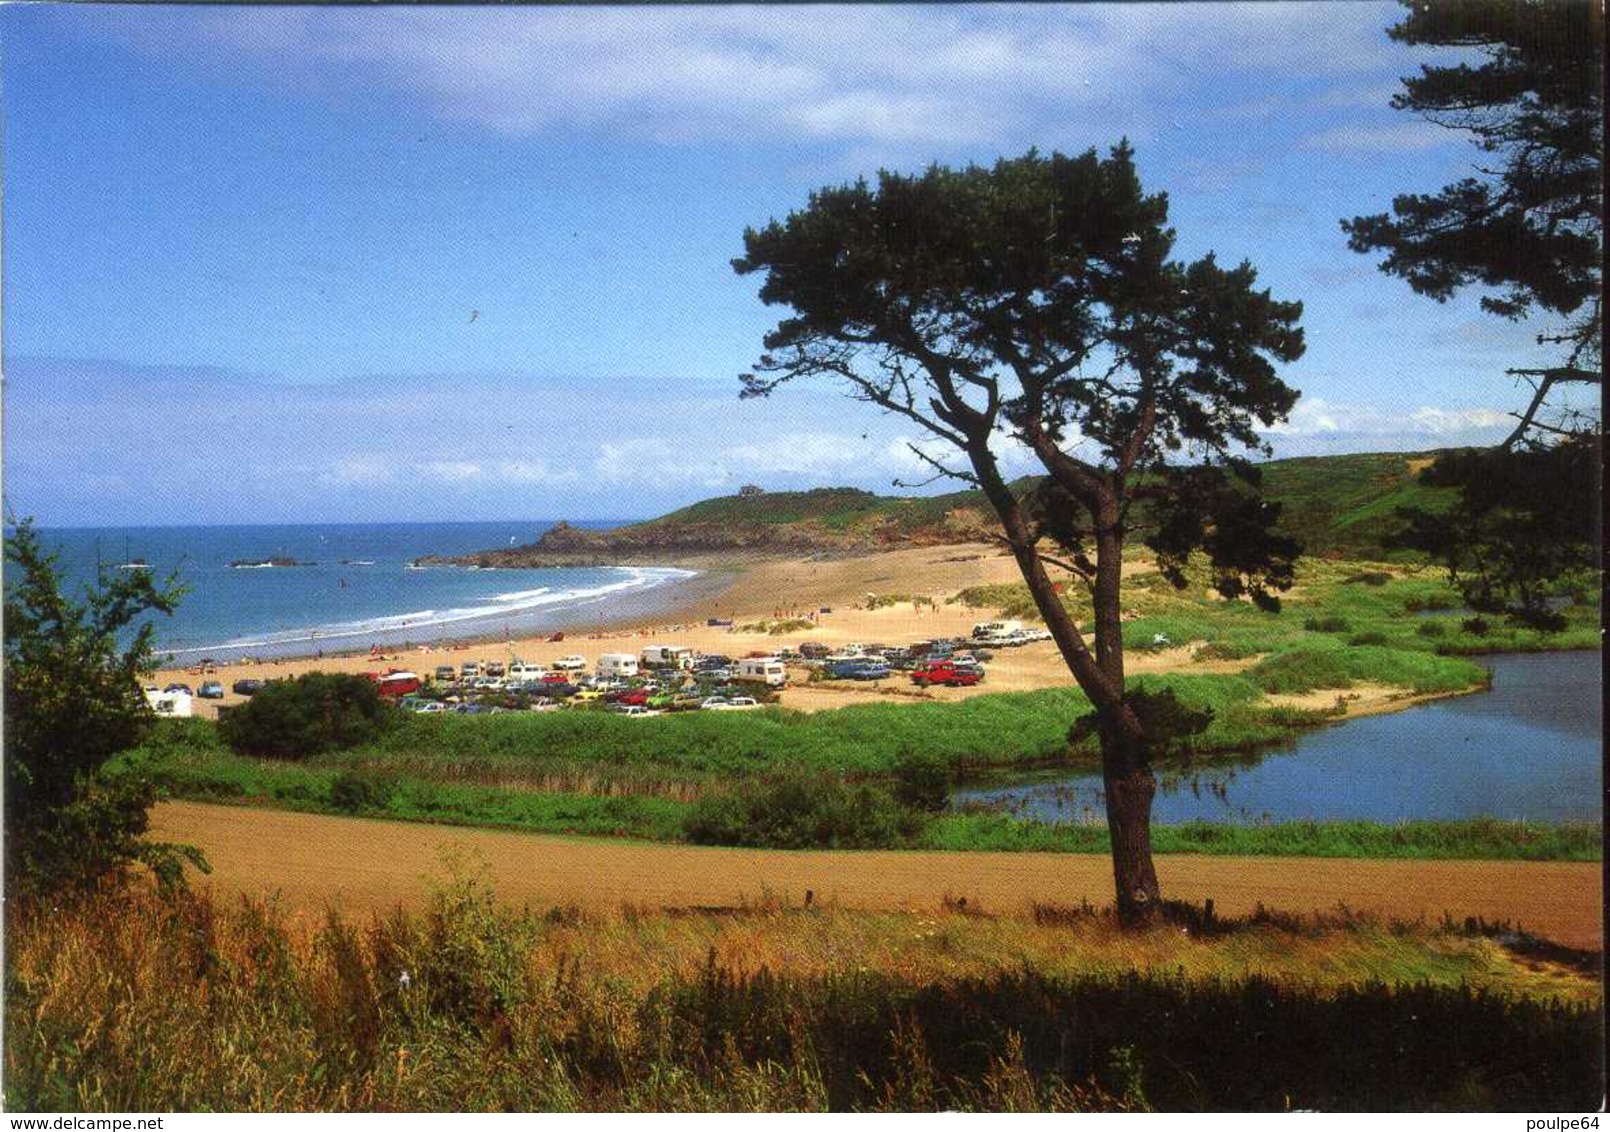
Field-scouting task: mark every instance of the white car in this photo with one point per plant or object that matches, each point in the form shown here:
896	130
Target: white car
430	707
736	703
570	663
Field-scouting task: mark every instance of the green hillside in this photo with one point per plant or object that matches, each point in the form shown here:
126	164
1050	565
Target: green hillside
1331	503
1336	505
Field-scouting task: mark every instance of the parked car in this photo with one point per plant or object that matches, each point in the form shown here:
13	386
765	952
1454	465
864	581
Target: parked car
858	668
946	672
570	663
446	673
211	690
185	688
246	687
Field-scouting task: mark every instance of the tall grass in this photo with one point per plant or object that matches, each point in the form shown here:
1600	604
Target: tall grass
132	1004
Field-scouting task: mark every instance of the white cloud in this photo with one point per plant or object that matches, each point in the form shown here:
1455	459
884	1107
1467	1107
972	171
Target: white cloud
358	470
1393	137
449	471
816	453
535	472
1315	416
892	75
657	461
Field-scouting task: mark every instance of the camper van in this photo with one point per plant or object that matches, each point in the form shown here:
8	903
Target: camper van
520	671
996	629
766	670
667	656
615	665
395	683
176	704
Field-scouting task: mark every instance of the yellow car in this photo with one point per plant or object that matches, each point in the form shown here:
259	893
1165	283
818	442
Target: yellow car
588	696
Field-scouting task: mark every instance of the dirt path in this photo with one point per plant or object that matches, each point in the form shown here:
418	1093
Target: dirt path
360	864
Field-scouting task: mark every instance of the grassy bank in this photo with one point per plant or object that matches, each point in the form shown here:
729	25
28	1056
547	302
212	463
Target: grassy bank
129	1004
1383	607
1481	838
673	755
211	773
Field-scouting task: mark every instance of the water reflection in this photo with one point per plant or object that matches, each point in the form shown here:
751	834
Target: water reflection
1528	749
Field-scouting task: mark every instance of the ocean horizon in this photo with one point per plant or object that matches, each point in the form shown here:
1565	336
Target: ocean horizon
353	585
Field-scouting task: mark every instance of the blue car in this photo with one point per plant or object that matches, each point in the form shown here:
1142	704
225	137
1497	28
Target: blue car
864	668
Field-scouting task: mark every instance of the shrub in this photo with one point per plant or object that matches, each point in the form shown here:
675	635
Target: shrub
1224	650
312	714
72	702
1301	670
358	790
921	783
798	812
1475	626
1371	638
1432	629
1331	624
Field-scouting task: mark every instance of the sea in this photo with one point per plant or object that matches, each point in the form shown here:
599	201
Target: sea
355	585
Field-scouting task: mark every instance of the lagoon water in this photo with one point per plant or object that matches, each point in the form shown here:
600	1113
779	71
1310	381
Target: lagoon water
359	589
1528	749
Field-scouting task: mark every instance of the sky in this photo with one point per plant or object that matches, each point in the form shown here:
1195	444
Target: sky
391	264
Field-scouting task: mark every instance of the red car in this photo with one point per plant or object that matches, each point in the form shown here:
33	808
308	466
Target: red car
636	696
945	672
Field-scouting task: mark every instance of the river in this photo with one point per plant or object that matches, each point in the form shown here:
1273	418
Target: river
1528	749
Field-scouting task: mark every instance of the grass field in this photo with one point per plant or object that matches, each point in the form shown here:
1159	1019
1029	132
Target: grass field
133	1004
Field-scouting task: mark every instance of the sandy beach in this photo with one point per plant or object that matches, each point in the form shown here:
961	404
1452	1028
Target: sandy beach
835	590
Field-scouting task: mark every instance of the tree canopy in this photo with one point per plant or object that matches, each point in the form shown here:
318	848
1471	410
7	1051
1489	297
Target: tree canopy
72	701
1035	304
1527	226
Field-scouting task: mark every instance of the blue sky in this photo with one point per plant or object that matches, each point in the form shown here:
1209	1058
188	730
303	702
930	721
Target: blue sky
382	264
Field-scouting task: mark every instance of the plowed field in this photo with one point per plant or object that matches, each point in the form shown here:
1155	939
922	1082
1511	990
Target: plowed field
359	864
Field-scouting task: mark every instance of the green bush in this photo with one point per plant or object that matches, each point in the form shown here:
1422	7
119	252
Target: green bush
921	782
1224	650
1301	670
73	669
358	790
798	812
307	716
1432	629
1367	639
1330	624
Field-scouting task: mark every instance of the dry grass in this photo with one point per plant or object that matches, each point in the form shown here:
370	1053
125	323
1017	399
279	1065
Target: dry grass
128	1003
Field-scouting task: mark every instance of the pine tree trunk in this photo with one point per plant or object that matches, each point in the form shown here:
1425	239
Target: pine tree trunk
1130	789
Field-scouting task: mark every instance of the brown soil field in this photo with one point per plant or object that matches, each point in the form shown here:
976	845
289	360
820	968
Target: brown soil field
358	864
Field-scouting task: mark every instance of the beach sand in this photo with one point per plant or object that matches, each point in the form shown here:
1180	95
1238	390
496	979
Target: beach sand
763	589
